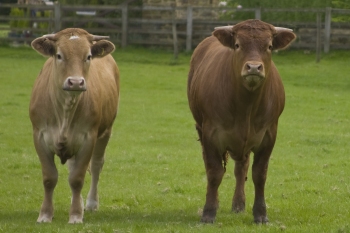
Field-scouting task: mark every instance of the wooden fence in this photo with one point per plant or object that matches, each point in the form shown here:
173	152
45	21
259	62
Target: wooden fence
180	28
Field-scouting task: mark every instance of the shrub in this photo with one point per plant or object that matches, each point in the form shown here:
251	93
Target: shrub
17	12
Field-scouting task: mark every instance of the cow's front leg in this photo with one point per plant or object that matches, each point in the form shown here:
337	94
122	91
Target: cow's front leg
50	177
215	172
241	170
77	170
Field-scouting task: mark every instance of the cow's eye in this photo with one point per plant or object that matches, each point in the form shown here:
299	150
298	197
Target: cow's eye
89	58
58	56
236	46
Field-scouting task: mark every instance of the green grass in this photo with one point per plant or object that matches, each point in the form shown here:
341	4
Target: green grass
154	178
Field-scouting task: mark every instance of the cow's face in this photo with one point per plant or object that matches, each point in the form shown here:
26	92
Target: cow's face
72	51
252	42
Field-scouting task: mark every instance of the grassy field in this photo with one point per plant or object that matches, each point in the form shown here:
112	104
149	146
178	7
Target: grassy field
154	178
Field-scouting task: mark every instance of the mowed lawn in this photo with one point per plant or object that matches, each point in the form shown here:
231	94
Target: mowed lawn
154	178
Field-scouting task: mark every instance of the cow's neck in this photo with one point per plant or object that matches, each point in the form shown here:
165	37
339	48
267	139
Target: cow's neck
246	99
247	103
65	107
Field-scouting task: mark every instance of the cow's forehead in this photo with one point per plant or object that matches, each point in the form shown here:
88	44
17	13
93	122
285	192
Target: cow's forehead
261	33
73	41
253	28
253	24
72	32
73	47
73	36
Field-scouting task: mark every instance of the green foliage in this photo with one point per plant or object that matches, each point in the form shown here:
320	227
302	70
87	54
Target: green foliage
99	2
154	178
275	16
44	14
112	14
341	4
78	2
344	4
118	2
285	3
18	12
6	11
228	14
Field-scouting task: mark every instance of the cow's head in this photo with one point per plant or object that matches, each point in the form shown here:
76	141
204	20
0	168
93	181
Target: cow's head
252	42
72	50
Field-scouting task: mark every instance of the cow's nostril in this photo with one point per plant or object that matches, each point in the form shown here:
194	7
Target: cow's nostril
74	84
81	82
70	82
254	68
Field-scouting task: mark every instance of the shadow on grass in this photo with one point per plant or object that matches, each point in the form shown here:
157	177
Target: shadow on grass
19	219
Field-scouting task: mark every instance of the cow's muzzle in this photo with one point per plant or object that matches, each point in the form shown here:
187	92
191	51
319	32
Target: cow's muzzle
253	74
253	68
74	84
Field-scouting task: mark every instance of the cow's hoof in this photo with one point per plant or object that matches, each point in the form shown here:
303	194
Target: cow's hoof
238	207
207	219
208	216
91	205
44	220
261	220
75	219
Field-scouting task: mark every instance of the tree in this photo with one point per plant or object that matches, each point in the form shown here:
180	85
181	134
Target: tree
276	16
6	11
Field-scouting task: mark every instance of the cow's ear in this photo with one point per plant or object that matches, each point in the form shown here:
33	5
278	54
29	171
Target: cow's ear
282	39
102	48
225	36
44	46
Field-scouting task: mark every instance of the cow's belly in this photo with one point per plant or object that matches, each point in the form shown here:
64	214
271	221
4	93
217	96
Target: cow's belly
65	143
239	142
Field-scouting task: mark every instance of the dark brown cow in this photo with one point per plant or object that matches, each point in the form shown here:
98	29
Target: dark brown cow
73	106
236	97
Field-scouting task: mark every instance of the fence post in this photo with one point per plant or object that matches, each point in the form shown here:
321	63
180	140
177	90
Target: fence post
189	28
124	25
258	13
327	29
57	10
176	49
318	37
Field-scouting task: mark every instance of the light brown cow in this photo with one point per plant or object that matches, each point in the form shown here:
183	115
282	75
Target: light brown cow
236	97
73	106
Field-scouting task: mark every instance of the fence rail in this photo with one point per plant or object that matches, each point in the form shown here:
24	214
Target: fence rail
179	27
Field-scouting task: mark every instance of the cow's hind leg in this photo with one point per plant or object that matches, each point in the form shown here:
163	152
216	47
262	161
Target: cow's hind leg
96	165
241	170
215	171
